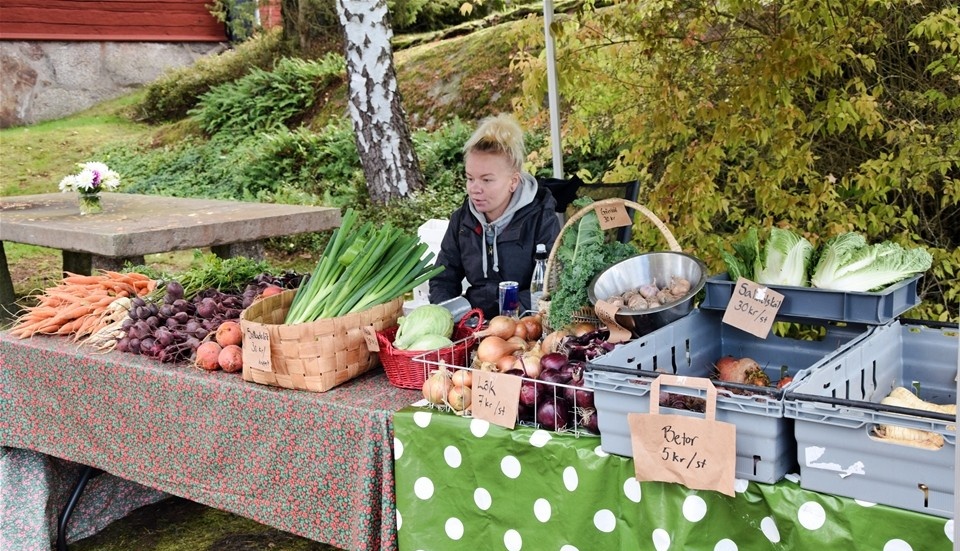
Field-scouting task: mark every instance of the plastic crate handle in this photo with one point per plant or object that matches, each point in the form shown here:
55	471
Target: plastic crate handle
709	410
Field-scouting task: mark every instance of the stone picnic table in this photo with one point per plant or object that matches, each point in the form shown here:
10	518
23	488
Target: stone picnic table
133	225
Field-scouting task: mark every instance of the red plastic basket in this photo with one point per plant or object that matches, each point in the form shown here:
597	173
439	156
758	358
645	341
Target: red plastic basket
401	369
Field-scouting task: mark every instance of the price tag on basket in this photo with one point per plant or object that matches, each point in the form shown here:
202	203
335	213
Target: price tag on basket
699	453
256	348
613	216
370	336
752	307
496	398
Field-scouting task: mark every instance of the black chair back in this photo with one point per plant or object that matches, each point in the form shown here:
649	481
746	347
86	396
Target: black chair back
565	191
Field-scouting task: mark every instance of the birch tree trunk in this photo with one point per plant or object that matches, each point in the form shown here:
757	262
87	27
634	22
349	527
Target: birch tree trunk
383	139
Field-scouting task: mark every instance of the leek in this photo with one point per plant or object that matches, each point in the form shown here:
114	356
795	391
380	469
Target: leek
361	268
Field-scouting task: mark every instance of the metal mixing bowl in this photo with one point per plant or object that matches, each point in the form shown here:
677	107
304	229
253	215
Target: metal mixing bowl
645	268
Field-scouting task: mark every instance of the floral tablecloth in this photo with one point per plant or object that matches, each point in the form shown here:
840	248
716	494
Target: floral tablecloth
319	465
467	484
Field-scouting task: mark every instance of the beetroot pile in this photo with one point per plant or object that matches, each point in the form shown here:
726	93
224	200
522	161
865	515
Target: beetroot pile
202	329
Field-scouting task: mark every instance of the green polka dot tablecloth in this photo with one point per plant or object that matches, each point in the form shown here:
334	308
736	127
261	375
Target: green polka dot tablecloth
467	484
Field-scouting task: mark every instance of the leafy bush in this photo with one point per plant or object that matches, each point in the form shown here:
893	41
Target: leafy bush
821	116
423	15
265	100
176	92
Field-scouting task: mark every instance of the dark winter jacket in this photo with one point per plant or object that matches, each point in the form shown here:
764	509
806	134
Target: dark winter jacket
462	250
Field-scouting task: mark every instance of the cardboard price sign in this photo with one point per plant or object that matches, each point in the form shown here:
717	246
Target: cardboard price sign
607	312
496	398
370	337
613	216
699	453
256	348
752	308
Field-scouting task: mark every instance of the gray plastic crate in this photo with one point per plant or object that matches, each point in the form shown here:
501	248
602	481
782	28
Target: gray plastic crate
766	449
837	408
823	304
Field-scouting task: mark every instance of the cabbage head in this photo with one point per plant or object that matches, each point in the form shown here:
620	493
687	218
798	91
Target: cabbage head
430	342
428	319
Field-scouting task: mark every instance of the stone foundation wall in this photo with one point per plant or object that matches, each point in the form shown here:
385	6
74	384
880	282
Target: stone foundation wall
44	80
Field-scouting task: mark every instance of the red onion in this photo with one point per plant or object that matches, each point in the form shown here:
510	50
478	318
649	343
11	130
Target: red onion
529	393
577	395
554	360
587	420
553	376
553	414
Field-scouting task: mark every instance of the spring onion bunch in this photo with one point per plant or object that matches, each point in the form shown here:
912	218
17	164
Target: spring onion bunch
361	267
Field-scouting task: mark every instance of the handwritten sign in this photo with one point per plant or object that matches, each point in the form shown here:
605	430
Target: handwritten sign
370	336
607	312
613	216
496	397
752	308
256	347
698	453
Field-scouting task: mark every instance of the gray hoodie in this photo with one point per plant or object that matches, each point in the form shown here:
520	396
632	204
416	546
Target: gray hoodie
530	219
522	196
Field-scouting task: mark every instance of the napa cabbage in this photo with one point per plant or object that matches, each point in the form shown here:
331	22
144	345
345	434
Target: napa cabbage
848	263
786	259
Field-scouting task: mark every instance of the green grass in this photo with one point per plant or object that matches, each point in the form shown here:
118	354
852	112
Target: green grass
177	524
36	157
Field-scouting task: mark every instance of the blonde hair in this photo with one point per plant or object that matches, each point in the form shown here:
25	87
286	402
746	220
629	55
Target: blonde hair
501	135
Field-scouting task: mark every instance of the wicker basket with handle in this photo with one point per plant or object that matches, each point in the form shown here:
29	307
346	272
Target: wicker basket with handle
314	356
555	266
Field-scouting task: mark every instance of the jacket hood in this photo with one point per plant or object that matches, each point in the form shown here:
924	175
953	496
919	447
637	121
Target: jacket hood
525	193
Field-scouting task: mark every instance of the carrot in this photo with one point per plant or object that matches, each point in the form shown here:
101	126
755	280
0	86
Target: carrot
79	279
69	327
79	303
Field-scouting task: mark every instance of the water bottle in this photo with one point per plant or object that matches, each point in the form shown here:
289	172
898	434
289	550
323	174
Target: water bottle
539	276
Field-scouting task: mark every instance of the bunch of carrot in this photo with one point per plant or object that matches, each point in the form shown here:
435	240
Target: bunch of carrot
76	306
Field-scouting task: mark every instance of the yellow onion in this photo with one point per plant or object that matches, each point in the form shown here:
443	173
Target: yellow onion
436	387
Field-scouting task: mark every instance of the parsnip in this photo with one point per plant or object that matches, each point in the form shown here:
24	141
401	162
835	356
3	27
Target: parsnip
903	397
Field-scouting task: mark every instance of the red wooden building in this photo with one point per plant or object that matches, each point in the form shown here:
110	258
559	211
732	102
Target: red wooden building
110	20
119	20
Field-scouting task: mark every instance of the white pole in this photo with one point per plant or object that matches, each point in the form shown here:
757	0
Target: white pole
552	94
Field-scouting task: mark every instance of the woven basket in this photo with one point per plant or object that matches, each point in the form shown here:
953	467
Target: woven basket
314	356
405	372
555	266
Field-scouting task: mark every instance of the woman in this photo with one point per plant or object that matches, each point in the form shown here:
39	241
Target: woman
492	237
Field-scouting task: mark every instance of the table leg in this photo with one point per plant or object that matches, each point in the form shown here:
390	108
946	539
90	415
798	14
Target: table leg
86	474
8	306
247	249
86	263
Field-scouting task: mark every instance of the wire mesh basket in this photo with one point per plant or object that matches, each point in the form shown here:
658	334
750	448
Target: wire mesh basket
581	419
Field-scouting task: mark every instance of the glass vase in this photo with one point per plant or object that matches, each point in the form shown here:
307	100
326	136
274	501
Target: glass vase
90	204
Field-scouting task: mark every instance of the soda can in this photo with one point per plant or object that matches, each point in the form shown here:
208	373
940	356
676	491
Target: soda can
509	299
